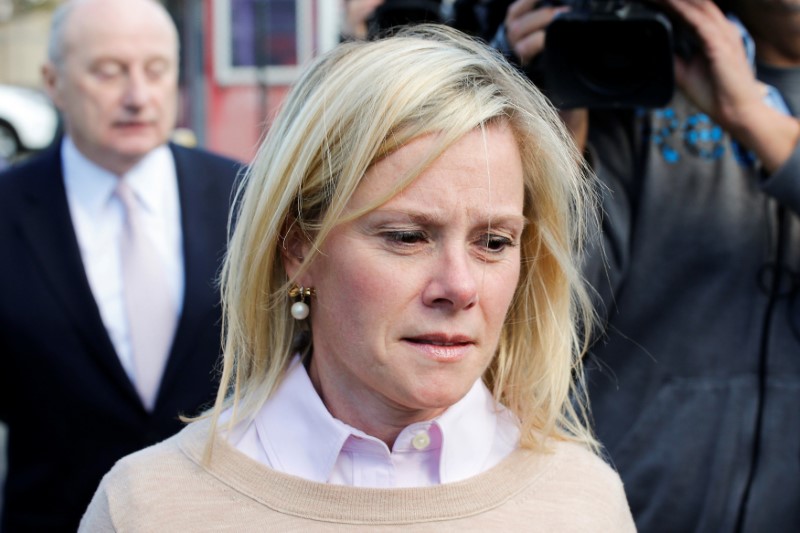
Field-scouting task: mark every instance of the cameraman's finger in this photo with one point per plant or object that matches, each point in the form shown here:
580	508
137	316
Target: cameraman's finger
529	47
519	8
721	38
703	15
531	22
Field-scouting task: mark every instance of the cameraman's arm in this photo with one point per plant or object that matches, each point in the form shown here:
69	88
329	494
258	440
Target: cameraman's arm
723	85
577	122
784	183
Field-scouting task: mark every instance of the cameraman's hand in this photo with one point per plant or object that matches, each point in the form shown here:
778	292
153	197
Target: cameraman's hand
525	31
722	84
356	13
525	25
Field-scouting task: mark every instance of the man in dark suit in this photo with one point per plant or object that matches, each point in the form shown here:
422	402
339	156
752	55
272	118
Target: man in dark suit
77	390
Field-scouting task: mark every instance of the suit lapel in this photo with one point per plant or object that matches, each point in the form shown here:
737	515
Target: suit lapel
199	219
47	226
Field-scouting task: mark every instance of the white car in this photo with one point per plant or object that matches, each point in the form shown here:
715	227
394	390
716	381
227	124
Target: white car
28	121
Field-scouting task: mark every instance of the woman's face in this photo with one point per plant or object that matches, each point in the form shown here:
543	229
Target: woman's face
411	297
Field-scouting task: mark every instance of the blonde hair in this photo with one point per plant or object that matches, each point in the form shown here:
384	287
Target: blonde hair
355	105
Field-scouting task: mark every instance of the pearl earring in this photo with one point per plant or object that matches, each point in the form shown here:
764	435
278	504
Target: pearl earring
299	308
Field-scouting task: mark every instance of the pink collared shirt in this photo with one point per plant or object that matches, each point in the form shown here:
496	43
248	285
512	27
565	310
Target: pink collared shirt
295	434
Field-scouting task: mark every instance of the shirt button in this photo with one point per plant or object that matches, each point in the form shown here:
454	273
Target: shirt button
421	440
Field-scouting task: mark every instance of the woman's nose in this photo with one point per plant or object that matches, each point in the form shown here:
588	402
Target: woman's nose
453	281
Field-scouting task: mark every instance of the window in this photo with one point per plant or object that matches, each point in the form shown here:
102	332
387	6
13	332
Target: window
266	41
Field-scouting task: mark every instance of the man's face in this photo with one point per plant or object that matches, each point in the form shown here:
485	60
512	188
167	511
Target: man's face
117	84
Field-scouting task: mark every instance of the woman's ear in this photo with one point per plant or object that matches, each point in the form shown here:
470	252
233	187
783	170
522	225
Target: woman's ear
294	250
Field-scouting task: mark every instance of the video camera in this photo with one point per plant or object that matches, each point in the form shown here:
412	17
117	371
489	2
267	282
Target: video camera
610	53
393	13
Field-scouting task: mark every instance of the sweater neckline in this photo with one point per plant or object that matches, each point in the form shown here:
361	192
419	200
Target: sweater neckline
522	470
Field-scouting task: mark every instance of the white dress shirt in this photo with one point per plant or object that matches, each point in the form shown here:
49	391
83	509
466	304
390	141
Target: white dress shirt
295	434
98	219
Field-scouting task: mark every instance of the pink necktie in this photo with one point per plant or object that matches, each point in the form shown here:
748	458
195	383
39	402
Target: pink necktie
150	310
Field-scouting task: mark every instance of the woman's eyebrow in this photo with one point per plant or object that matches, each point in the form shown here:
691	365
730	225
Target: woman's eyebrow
434	218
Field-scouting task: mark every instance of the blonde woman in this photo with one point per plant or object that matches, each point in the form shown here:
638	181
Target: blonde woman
400	300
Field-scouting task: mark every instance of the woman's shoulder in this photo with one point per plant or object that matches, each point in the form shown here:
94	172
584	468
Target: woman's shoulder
569	475
152	464
565	460
574	458
146	479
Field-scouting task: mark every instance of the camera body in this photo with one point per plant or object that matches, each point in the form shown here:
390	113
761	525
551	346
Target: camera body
394	13
609	54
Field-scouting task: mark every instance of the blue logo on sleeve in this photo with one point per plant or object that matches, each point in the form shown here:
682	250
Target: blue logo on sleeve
695	134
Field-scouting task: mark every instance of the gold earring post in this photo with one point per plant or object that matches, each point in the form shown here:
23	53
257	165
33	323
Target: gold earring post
302	292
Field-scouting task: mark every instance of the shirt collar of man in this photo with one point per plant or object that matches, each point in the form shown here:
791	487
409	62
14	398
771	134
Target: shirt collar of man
93	185
297	435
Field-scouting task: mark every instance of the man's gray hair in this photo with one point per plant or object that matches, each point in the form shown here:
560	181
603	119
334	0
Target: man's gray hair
55	45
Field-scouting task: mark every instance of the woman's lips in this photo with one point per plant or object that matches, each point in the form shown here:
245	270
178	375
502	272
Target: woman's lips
441	347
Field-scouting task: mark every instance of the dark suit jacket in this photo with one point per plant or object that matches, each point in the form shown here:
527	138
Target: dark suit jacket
70	408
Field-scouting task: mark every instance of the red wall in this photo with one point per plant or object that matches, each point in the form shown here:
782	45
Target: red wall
236	116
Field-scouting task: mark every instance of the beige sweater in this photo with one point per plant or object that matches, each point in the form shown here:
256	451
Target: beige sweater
165	488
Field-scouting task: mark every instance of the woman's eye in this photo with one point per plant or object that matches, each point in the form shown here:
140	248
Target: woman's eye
496	243
405	237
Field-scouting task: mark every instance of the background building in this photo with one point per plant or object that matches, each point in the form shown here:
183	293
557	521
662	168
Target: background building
237	59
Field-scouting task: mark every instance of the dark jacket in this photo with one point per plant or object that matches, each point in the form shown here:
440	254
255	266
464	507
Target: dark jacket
695	387
70	408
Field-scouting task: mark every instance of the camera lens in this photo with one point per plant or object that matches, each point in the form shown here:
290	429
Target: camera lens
617	68
608	60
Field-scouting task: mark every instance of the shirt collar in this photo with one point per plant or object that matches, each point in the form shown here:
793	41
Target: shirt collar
89	184
468	429
92	185
301	437
297	432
